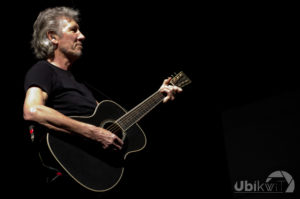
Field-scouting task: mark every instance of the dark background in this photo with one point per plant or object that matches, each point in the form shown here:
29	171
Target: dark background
235	54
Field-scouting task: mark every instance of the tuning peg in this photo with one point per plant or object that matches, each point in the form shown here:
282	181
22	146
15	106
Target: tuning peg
173	75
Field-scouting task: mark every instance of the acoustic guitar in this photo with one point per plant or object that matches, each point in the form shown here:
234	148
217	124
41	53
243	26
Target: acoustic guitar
85	161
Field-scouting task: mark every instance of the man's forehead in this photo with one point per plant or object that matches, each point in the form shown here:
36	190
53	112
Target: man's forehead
67	22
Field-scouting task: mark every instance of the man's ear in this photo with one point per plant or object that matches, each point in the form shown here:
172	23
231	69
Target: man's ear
52	36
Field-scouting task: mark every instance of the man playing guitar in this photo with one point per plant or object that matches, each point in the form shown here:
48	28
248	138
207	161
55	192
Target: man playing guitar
52	92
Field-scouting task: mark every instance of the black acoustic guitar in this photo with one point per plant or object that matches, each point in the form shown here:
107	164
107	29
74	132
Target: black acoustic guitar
85	161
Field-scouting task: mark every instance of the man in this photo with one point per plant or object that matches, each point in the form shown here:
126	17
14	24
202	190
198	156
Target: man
52	92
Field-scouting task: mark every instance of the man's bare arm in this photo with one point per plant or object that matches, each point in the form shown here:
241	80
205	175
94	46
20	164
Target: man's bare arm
35	110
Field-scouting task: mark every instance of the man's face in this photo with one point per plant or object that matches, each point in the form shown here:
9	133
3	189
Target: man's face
70	39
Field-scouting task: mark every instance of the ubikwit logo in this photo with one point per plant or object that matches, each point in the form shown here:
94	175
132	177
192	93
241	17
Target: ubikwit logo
276	182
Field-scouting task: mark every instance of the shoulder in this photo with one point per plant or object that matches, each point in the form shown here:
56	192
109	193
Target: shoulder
41	67
41	75
42	70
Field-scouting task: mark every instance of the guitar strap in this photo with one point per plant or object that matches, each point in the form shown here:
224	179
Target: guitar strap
99	93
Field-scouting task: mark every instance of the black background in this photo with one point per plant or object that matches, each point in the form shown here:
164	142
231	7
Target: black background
235	54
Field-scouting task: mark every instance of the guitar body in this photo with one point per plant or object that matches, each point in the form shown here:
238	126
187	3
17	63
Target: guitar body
85	161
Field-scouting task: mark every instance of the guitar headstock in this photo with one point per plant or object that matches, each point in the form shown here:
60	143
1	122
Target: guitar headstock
180	80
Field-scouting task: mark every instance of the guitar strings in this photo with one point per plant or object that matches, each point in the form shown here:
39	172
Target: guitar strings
113	128
131	115
137	112
141	107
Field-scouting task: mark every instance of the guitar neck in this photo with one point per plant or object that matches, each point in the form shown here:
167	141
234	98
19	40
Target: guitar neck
138	112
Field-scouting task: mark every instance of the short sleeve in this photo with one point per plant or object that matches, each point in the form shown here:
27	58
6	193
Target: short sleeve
39	75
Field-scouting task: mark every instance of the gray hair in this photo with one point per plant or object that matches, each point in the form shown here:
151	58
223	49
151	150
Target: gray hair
49	20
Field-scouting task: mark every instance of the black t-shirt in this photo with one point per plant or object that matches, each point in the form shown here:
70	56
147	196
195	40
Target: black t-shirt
65	93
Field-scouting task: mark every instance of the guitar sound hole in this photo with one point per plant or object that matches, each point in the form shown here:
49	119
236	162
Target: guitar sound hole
116	129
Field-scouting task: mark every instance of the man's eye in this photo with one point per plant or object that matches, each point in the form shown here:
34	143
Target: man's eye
74	29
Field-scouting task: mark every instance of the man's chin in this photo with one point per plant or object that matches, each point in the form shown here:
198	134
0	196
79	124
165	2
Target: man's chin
75	55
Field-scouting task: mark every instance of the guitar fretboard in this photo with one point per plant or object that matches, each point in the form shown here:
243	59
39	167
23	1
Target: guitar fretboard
138	112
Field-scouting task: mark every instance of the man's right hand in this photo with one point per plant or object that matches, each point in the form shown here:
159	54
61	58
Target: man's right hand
108	139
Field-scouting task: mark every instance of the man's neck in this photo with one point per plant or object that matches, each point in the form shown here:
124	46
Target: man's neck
60	62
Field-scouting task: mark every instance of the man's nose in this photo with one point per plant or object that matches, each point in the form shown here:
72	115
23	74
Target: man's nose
81	36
